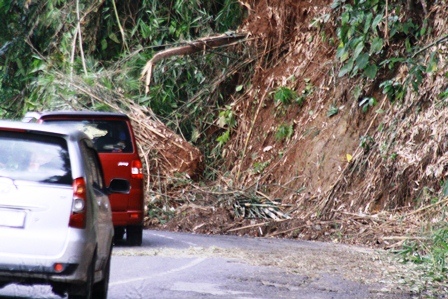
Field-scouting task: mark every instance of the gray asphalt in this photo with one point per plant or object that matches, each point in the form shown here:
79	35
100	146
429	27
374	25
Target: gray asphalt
178	265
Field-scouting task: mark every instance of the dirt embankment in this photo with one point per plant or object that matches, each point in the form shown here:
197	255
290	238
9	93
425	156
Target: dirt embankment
343	175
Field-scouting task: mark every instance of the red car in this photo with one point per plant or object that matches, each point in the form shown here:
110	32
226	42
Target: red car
114	139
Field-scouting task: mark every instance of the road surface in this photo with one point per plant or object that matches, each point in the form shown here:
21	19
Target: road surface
180	265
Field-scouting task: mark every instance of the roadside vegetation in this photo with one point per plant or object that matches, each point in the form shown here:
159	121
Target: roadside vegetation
369	39
259	110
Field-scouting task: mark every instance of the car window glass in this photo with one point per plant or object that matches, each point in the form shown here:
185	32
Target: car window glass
94	173
109	136
32	157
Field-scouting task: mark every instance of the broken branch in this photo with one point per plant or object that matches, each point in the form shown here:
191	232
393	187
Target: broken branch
202	44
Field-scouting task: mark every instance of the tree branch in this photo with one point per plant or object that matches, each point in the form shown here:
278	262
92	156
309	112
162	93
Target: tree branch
438	41
202	44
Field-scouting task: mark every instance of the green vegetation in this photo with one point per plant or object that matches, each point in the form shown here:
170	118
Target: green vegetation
366	142
366	103
84	54
371	35
306	92
368	33
89	54
61	54
226	120
259	167
431	256
333	110
284	95
284	131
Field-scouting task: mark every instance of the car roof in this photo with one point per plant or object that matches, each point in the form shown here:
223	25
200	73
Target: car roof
55	130
71	113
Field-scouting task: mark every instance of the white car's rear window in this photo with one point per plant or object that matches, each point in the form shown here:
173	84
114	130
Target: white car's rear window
34	157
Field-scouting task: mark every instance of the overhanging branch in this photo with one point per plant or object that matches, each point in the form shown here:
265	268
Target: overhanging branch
202	44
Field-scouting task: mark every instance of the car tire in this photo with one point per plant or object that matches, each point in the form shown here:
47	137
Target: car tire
118	234
134	235
101	288
84	291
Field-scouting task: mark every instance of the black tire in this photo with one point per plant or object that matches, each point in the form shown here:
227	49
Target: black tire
134	235
84	291
101	288
118	234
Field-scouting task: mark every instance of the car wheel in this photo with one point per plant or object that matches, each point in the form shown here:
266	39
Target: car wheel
100	288
134	235
118	234
84	291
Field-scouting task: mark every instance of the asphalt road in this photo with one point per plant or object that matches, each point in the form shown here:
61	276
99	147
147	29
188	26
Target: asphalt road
178	265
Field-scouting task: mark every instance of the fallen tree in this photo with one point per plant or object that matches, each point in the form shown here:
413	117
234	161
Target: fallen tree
202	44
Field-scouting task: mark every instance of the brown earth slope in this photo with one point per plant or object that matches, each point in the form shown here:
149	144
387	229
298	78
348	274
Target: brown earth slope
343	175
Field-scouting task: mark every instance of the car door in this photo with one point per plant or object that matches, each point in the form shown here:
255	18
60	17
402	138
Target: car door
102	209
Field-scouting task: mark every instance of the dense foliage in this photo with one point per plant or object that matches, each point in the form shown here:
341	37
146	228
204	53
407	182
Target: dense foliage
48	49
377	37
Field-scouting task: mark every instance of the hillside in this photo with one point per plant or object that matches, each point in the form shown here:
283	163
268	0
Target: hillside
343	171
316	120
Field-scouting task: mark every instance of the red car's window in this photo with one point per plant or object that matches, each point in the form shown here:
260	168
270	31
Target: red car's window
32	157
109	136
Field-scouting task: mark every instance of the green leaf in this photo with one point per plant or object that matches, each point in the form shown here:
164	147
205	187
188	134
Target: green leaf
357	91
376	45
114	37
285	95
407	43
239	88
377	20
332	111
432	63
362	61
346	68
370	71
336	4
358	49
368	22
342	52
285	131
223	138
345	18
103	44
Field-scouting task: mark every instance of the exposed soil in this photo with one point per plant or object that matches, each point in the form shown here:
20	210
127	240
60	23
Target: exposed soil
325	194
349	176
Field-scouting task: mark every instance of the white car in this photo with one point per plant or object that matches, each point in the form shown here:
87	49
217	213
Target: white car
55	216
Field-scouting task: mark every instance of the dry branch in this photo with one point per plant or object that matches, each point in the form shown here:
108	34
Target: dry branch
162	148
202	44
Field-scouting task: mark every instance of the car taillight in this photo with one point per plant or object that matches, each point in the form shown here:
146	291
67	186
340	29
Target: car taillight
78	215
136	169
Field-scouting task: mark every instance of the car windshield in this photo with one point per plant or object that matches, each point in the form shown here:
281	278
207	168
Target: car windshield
33	157
109	136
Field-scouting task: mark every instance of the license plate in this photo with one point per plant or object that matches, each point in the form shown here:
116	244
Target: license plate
12	218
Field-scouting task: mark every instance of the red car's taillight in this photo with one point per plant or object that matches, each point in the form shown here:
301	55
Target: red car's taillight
78	215
136	169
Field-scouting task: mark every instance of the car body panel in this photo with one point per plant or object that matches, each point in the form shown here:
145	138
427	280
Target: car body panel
45	223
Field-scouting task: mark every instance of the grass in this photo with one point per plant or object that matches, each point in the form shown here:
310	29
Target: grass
431	256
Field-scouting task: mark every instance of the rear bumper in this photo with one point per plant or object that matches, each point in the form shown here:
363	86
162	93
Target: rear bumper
127	218
38	273
32	268
32	274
